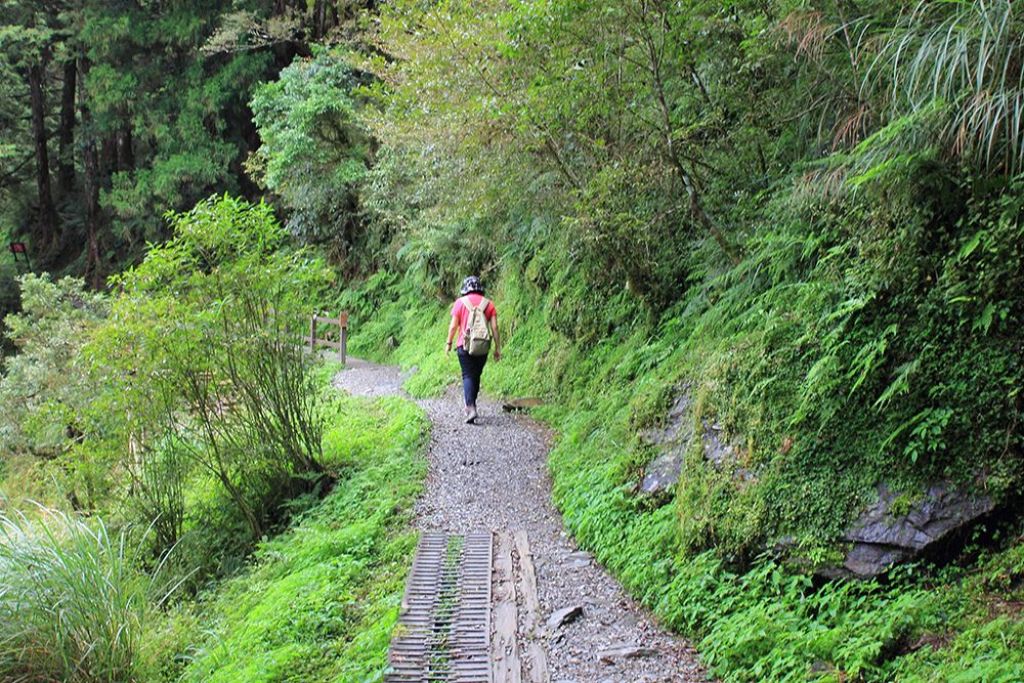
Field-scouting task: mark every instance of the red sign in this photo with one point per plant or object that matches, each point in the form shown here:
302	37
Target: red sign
18	248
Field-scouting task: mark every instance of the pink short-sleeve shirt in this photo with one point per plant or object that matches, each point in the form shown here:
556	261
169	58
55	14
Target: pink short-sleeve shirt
461	313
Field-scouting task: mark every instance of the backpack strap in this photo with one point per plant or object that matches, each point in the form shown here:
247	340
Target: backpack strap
469	309
469	306
482	307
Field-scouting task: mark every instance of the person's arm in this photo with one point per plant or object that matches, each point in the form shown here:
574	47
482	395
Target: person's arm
453	329
497	338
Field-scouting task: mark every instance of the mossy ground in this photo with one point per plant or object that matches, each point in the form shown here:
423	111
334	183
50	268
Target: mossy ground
319	601
755	623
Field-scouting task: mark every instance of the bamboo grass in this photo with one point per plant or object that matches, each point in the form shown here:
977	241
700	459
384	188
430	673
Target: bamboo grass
73	599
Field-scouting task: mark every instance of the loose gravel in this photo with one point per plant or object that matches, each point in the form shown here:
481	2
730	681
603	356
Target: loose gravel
494	475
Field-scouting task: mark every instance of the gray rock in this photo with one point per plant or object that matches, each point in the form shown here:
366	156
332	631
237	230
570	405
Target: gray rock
671	440
881	538
678	425
519	405
564	616
715	450
579	559
663	473
610	655
674	438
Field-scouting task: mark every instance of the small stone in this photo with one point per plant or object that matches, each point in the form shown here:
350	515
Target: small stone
609	655
564	616
579	560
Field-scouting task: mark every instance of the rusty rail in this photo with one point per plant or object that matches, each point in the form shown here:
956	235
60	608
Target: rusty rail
443	631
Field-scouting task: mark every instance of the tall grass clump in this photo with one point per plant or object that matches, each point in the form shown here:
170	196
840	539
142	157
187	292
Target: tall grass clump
73	600
961	59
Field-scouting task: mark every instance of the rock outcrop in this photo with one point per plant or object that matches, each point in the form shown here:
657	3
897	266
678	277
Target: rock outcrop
672	441
882	536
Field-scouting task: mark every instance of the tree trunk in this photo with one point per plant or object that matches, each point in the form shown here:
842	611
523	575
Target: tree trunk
91	184
654	56
66	133
319	19
46	219
125	150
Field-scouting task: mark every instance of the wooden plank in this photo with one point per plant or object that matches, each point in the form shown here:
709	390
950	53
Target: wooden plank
343	346
534	657
505	648
327	321
506	666
503	588
537	668
528	580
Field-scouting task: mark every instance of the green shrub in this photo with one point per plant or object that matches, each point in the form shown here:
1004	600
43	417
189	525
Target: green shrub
203	370
322	598
45	390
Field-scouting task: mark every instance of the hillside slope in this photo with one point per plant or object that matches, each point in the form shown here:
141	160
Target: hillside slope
752	621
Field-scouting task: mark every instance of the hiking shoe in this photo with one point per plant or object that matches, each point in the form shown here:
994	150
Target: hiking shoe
471	415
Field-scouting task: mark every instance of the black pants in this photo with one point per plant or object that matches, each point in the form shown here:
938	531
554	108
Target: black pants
472	368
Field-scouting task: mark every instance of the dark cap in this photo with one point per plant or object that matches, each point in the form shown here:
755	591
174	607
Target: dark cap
471	285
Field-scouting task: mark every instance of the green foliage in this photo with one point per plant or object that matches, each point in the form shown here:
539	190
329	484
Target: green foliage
140	110
314	150
204	367
322	598
74	603
195	150
963	58
41	382
45	391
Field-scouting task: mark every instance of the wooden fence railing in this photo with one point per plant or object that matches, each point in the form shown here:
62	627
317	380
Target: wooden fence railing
341	343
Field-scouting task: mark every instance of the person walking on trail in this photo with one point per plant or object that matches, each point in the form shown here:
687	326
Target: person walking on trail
475	322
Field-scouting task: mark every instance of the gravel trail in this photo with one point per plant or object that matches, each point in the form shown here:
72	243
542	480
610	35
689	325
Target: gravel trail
506	485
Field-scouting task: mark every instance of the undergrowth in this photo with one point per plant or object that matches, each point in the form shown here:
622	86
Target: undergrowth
74	602
751	622
320	600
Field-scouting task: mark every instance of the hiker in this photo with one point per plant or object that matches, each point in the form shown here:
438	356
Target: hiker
475	320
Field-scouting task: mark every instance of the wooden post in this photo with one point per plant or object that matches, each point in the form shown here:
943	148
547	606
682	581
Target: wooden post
312	334
343	336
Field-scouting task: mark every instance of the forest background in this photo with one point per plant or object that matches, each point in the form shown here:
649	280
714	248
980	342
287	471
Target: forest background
803	218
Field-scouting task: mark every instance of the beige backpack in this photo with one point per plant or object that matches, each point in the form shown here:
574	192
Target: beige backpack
477	340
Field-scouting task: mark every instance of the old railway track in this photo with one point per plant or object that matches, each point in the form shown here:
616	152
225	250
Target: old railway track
470	613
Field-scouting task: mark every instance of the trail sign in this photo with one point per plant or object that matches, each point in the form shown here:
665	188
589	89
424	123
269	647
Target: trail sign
19	249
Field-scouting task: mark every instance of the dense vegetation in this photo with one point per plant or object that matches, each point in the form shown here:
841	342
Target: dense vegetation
159	439
806	215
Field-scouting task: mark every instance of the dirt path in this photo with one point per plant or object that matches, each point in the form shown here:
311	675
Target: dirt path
493	476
